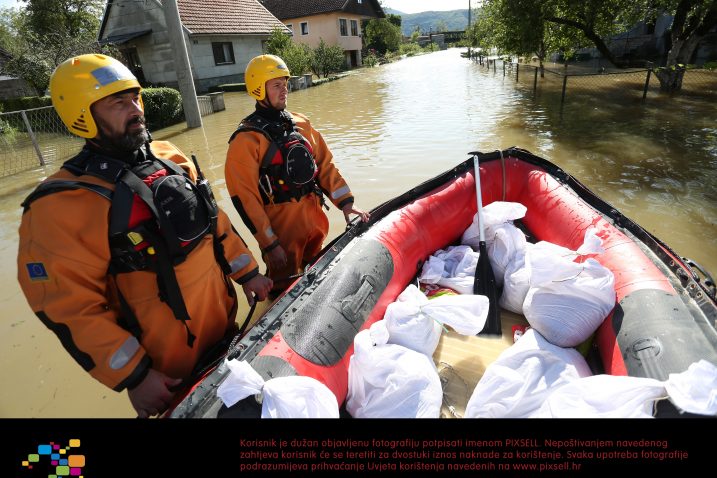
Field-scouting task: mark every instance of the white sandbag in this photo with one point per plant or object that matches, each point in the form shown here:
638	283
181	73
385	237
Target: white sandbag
604	396
284	397
466	314
408	326
517	383
495	215
391	381
695	390
502	238
454	268
415	322
516	279
568	301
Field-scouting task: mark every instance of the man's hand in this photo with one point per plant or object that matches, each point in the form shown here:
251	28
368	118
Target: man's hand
277	257
152	396
351	209
258	285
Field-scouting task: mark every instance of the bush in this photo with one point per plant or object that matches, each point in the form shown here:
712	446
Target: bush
25	103
370	59
162	107
328	59
297	57
410	49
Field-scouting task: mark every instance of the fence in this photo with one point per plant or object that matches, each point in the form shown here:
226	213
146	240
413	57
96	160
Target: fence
596	81
37	137
29	138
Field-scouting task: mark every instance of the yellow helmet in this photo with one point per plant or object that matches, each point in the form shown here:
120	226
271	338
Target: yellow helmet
80	81
261	69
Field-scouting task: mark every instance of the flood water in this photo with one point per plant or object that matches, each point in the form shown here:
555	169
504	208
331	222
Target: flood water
390	128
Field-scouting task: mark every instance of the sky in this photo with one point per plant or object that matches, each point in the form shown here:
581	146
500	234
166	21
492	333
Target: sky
416	6
405	6
10	4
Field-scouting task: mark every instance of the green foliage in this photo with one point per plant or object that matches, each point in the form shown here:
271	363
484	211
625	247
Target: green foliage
76	18
370	59
162	107
278	41
328	59
47	32
453	20
710	65
25	103
394	19
410	49
527	26
382	36
298	57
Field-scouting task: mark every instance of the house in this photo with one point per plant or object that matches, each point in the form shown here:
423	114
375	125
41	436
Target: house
337	22
221	37
10	86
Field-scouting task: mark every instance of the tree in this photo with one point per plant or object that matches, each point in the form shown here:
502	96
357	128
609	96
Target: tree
47	32
394	19
382	35
693	19
298	58
73	17
328	59
571	24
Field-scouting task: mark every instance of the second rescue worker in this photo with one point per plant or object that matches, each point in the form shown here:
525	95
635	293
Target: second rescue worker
279	171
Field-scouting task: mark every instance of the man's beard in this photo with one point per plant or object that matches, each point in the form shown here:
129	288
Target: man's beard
128	142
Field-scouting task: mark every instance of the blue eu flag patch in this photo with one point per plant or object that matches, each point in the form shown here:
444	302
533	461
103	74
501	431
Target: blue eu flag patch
37	271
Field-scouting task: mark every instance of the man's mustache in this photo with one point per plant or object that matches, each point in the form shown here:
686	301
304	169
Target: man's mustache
137	119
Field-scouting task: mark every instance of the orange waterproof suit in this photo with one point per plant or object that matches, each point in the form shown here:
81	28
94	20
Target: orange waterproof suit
63	263
297	224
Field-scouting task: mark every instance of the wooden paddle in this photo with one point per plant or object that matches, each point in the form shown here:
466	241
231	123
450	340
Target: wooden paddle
484	282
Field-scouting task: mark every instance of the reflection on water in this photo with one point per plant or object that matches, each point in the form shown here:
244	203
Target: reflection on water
391	128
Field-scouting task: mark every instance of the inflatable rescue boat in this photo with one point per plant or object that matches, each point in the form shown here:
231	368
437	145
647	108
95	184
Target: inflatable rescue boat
663	319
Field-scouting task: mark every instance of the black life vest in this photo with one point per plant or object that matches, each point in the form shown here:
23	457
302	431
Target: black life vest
157	217
288	169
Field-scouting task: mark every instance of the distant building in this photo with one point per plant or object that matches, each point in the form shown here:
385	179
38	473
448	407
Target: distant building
10	86
337	22
221	37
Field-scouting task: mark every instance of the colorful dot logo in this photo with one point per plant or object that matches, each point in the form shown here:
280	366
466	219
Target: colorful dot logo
62	460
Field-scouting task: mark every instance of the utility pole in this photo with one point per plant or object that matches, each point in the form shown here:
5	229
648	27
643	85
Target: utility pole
468	29
181	64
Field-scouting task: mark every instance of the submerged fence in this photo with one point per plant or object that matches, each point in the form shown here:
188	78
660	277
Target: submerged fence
37	137
565	83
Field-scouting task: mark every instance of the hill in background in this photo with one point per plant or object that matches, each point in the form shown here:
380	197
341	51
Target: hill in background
430	21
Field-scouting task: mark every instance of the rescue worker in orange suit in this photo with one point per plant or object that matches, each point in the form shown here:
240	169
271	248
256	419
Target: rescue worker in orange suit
279	172
123	254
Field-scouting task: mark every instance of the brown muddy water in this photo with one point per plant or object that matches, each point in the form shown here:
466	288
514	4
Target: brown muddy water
390	128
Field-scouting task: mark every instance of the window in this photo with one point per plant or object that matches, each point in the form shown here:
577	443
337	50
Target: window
290	26
358	1
354	28
343	28
304	28
223	53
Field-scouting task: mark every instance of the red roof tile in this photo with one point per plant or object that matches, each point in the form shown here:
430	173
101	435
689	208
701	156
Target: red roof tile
227	17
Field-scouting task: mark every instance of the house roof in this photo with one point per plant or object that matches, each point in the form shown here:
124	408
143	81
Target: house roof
227	16
119	39
239	17
285	9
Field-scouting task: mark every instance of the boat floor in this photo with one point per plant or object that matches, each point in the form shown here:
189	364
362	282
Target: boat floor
461	361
